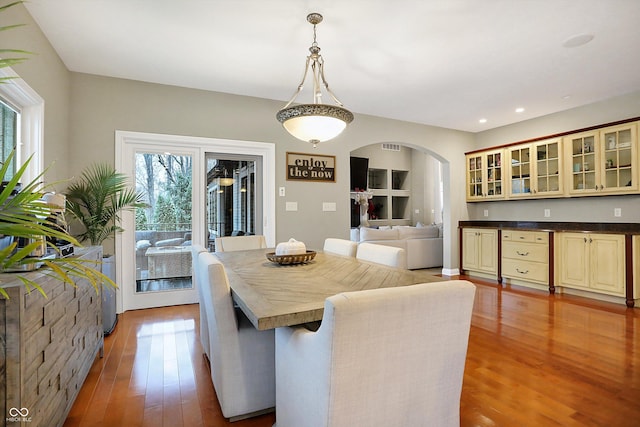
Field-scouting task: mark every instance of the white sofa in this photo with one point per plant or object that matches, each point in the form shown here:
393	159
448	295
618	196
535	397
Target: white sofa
423	245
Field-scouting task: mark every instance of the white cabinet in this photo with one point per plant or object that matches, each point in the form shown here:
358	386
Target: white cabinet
592	262
525	256
480	251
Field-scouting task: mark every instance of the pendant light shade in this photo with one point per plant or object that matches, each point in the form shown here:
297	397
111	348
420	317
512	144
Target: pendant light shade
316	122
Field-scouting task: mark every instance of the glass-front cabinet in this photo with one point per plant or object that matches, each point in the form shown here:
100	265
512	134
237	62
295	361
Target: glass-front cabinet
600	160
603	161
520	171
581	151
619	158
485	175
535	170
548	171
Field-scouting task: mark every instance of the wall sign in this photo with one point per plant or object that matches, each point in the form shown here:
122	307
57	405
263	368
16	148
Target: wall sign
311	167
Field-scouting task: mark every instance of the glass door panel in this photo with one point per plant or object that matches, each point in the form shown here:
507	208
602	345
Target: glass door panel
163	228
474	176
547	167
618	157
521	171
583	163
232	196
494	174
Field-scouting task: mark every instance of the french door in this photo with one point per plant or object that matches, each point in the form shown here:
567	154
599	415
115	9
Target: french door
184	184
160	236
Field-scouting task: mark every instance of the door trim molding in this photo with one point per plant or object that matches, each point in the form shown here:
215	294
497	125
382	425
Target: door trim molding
126	142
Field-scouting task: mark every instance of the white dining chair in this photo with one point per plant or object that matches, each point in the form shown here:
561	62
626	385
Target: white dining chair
381	357
340	246
240	243
204	328
242	358
380	254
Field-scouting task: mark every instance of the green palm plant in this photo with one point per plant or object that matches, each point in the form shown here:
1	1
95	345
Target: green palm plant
97	199
23	213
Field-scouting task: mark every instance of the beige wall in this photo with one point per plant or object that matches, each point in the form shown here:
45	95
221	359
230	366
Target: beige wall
101	105
82	112
45	73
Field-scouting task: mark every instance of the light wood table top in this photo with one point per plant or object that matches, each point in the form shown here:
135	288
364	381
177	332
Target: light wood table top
273	295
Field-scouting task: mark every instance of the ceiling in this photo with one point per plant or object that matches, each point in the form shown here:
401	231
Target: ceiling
445	63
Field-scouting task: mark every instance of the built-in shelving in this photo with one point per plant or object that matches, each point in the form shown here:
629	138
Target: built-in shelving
391	199
599	160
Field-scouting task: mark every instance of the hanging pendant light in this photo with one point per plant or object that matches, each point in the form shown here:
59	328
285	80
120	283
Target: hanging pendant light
316	122
226	181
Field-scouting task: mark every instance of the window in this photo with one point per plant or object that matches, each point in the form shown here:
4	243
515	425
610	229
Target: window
28	107
8	136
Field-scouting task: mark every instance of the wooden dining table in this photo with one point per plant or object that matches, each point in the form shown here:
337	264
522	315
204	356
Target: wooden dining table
273	295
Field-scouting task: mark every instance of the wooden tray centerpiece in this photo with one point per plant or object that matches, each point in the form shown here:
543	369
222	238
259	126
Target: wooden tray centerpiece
291	259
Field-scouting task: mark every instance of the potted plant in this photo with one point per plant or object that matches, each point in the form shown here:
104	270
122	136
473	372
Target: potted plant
23	214
96	200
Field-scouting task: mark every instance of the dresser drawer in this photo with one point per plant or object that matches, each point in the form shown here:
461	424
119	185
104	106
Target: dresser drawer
525	236
525	251
529	271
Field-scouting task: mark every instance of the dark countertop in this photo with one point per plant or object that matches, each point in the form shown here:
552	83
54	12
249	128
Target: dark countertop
599	227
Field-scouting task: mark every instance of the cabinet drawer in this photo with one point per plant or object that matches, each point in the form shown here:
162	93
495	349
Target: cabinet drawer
530	271
525	236
525	251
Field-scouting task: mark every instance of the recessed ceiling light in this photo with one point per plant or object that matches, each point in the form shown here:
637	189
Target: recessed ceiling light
519	110
482	121
578	40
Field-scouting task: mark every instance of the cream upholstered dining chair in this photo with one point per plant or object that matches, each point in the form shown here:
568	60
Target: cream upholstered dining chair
204	328
340	246
382	357
242	357
380	254
240	243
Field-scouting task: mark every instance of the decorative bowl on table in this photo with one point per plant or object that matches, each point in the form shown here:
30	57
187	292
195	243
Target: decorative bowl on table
291	259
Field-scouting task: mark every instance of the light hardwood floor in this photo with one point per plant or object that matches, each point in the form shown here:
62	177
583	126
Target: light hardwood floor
533	360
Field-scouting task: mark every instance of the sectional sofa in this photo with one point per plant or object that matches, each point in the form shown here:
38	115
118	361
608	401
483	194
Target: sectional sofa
423	244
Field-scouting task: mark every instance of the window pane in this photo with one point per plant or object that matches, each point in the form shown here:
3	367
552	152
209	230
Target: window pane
8	136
